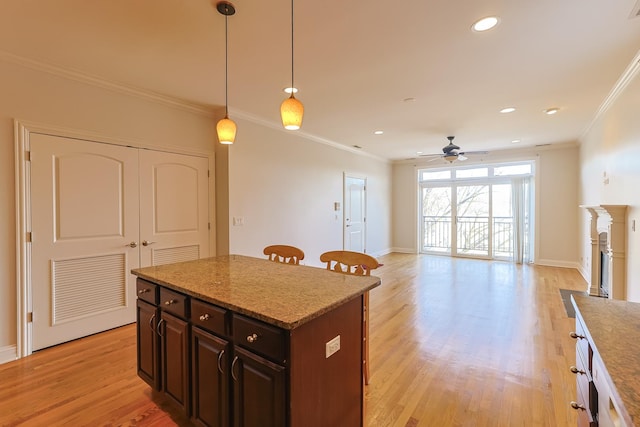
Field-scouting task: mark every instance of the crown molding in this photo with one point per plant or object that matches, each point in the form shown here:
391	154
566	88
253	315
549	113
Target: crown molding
278	126
103	83
627	76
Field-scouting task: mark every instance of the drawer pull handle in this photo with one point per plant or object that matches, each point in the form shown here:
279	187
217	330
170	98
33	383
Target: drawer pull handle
576	406
143	291
576	336
252	338
204	317
171	301
576	370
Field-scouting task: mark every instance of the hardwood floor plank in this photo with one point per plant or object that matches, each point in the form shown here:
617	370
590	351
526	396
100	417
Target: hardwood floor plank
454	342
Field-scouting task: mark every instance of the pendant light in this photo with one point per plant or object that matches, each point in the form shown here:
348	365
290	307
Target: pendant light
226	127
291	110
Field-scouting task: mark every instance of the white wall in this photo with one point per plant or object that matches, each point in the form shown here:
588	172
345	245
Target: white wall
556	201
285	186
54	100
612	146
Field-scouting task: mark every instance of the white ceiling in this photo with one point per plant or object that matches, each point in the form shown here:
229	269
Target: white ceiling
355	62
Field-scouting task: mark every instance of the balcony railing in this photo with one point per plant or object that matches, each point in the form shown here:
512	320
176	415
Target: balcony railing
472	235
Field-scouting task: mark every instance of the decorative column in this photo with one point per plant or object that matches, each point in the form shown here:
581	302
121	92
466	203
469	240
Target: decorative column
616	246
594	283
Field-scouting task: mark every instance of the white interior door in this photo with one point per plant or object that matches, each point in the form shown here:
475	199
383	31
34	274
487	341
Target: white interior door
355	213
174	211
84	215
98	211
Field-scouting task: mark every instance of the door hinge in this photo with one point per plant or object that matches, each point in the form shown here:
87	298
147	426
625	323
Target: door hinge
27	155
29	237
30	317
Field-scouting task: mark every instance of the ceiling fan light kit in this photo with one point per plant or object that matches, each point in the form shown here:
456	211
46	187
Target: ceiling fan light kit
451	152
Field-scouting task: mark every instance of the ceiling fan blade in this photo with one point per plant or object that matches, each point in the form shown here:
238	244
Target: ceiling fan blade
430	155
473	152
461	157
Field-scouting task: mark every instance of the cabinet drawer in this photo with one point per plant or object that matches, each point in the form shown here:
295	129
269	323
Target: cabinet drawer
147	291
583	348
209	317
174	302
259	337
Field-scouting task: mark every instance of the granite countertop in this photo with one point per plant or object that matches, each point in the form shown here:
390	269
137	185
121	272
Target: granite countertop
280	294
613	327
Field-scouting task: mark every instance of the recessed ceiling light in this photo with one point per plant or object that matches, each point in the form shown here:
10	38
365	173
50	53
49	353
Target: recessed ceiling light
508	110
515	141
378	132
409	100
290	90
485	24
551	111
418	152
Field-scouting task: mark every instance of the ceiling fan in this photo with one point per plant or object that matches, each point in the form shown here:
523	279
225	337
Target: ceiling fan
451	152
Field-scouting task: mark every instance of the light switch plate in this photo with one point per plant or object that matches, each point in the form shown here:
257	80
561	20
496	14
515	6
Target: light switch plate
332	347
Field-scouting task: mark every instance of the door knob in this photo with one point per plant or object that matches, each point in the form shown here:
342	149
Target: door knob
132	244
147	243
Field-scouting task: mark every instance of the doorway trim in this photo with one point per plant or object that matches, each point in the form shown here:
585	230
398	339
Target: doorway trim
22	132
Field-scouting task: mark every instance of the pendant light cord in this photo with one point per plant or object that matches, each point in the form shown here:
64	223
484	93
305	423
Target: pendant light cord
292	87
226	68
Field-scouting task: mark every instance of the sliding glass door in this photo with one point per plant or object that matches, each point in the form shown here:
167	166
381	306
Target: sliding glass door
477	212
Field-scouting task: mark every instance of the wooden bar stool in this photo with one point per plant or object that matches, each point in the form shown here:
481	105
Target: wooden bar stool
284	253
357	264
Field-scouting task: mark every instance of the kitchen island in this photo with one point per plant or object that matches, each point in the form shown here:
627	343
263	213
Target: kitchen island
607	361
242	341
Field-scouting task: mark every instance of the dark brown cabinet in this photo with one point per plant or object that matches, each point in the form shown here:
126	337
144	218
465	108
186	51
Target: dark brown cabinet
226	369
210	378
148	351
258	391
174	356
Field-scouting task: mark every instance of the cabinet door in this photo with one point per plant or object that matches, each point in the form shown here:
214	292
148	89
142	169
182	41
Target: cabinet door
210	378
147	348
175	359
259	391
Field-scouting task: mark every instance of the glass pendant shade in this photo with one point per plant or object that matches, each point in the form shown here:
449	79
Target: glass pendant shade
291	111
226	131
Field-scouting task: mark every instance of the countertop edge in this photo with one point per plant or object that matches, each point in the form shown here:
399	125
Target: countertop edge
258	315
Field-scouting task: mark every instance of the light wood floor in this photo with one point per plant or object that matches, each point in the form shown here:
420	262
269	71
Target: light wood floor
454	342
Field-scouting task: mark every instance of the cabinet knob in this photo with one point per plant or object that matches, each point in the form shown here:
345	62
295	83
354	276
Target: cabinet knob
171	301
576	370
143	291
252	338
576	406
204	317
576	336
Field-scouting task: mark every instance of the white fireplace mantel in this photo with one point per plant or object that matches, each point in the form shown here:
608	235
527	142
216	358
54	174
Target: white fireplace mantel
611	219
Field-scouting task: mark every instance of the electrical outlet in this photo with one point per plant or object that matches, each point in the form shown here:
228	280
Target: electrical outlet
332	347
238	221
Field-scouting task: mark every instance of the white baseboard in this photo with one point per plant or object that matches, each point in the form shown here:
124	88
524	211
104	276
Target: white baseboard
556	263
8	354
404	250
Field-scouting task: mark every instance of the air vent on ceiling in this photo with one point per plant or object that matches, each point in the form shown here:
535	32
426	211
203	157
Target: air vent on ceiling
635	12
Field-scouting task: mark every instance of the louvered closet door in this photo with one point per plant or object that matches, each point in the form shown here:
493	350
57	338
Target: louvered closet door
174	208
85	212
